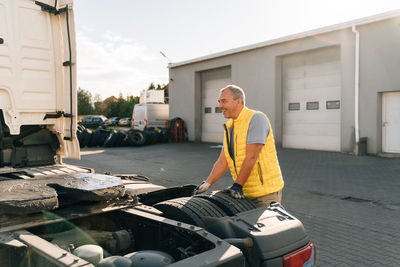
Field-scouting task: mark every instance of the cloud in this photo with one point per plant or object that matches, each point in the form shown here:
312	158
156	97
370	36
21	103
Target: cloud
112	64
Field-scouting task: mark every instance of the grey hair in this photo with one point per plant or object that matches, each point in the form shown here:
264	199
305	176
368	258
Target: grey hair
236	91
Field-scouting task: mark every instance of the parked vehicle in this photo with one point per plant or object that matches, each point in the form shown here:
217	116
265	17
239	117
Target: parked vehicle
54	214
112	121
94	121
124	122
150	115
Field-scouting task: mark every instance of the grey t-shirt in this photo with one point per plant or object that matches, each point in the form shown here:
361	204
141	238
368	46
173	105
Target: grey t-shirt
258	131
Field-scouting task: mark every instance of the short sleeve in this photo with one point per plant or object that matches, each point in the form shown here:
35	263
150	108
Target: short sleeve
258	129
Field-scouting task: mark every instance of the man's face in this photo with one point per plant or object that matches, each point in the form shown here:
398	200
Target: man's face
230	107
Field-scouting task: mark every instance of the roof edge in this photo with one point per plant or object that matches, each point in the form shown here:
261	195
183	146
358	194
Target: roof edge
335	27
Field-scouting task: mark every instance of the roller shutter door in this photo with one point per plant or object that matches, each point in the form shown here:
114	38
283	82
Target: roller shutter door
312	100
212	119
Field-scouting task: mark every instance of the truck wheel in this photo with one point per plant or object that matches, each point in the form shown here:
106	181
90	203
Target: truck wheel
110	140
95	139
87	136
80	127
151	136
137	137
164	136
103	134
189	210
228	204
119	137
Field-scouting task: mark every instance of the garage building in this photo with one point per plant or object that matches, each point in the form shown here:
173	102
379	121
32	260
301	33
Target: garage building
327	89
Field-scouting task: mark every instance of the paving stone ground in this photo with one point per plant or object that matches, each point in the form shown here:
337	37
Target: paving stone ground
349	205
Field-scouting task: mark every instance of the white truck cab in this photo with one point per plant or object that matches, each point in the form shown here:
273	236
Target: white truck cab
37	82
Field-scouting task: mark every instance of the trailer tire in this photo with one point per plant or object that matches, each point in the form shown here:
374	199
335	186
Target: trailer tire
228	204
189	210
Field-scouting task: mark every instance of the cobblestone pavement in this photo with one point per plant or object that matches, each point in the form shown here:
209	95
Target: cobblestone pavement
349	205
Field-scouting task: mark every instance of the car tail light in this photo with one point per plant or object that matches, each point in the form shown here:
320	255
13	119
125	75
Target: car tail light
304	257
145	123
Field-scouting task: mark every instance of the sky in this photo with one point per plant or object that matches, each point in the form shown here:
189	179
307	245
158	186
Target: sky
119	41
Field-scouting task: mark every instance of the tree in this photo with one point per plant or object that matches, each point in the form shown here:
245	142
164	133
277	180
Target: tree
84	102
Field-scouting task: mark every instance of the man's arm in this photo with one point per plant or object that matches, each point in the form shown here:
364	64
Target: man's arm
219	168
252	152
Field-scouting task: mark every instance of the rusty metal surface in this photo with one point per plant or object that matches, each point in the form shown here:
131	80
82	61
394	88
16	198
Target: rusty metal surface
24	196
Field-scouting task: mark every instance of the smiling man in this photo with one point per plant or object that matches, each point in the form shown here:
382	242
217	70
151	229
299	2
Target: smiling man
249	152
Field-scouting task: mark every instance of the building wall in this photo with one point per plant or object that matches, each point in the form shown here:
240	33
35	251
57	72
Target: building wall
379	72
258	72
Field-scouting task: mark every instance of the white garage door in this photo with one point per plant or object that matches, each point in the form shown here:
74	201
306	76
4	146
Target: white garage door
391	122
311	100
212	119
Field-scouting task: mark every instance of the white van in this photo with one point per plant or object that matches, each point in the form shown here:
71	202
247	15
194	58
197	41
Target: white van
150	115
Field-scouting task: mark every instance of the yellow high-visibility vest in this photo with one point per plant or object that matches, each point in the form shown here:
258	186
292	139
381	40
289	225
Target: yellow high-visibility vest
266	176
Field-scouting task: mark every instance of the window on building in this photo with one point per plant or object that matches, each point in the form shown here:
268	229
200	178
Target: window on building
333	104
313	105
294	106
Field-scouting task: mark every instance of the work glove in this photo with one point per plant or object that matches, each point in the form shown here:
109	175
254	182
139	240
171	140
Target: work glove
201	188
235	191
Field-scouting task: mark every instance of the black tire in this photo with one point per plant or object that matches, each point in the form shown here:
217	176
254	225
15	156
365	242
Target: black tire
228	204
137	137
94	140
80	127
119	138
164	136
110	140
189	210
86	137
79	135
126	141
151	136
103	134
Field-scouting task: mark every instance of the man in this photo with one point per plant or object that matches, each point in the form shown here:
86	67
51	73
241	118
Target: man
249	152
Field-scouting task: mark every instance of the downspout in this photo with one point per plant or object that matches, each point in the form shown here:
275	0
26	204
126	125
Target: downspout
356	91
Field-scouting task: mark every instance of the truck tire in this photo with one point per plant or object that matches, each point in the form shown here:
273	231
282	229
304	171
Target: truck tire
86	137
103	134
228	204
95	139
80	127
189	210
164	136
110	140
119	138
151	136
137	137
79	135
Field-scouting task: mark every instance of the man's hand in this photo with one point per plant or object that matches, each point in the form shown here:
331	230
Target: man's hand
236	191
201	188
